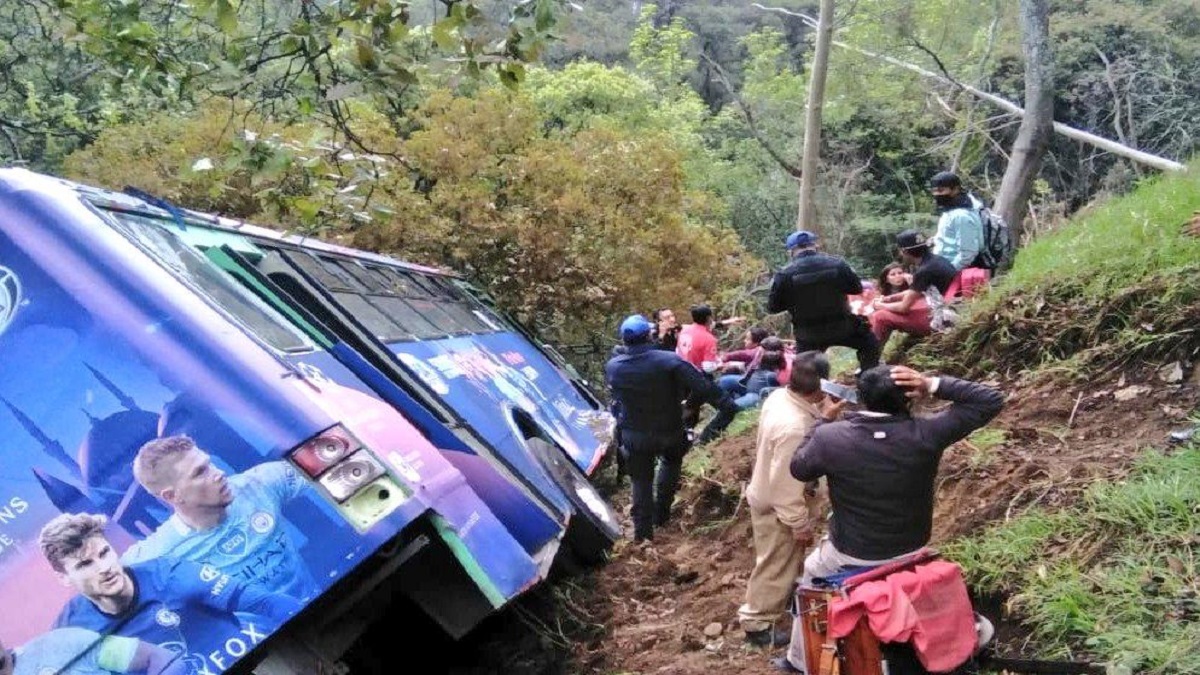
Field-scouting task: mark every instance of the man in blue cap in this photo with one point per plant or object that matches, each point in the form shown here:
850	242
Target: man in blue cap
649	385
813	289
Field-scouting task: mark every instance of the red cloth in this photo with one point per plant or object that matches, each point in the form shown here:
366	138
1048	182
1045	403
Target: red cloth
696	345
968	282
927	606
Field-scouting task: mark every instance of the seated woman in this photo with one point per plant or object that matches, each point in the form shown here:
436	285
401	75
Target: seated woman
909	311
736	365
893	280
757	385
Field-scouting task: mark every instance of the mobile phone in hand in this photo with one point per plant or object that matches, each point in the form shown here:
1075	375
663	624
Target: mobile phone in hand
839	391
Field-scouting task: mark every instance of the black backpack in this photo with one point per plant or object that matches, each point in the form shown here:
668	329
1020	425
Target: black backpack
997	248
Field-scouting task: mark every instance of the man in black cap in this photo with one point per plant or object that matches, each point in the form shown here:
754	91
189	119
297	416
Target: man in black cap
649	385
813	289
959	237
910	311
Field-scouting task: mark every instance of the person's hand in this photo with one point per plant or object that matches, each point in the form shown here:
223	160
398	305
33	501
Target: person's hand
811	487
833	408
908	278
733	320
907	378
803	535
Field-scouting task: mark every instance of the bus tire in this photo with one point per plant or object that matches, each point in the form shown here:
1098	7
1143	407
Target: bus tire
594	526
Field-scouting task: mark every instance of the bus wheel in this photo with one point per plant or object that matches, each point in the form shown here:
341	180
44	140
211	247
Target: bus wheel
594	526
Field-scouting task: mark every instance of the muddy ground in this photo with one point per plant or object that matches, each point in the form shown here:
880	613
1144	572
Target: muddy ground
647	610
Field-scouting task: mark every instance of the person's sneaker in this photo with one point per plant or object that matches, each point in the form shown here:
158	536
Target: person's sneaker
769	637
781	663
984	631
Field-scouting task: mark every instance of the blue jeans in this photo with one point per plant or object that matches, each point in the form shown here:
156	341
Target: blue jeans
720	421
732	385
654	463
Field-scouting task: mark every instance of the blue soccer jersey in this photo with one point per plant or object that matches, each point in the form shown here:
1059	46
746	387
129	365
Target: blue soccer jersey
189	609
75	651
252	544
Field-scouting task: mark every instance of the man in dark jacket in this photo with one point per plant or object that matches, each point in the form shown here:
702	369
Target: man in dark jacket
649	386
880	467
813	288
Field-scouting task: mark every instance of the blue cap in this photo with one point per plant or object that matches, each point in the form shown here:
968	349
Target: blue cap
635	326
801	238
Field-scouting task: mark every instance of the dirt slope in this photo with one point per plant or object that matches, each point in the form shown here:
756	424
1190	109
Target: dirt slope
655	603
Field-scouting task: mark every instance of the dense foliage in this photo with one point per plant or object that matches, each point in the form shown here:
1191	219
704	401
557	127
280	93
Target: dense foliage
386	123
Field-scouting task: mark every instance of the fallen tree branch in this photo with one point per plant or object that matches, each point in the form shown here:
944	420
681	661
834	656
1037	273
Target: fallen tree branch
1161	163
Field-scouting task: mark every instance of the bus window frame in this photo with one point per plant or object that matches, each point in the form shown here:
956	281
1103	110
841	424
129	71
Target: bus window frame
128	229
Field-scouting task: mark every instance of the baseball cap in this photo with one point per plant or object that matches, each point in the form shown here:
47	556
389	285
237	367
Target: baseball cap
911	239
801	238
946	179
634	326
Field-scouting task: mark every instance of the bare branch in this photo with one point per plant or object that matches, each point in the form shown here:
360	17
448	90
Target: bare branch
791	169
1161	163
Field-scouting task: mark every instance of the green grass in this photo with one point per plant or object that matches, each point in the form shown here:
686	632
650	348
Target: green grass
698	463
985	440
1116	575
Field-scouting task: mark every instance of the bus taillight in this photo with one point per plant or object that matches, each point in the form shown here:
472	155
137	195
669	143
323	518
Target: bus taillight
318	454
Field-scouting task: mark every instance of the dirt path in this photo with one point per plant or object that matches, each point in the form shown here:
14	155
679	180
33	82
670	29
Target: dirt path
654	604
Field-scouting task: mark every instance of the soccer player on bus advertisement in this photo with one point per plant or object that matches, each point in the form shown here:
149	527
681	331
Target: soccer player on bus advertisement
77	651
176	604
234	524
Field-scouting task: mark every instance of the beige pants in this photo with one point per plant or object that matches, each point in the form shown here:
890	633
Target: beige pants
824	561
777	560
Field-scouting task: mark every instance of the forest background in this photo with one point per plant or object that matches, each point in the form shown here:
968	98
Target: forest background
580	161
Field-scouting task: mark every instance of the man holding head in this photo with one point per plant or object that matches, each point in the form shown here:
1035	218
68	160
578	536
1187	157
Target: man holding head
649	385
783	511
814	288
909	311
880	466
234	524
666	329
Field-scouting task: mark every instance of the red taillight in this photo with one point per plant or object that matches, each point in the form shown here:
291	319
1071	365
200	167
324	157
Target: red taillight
316	455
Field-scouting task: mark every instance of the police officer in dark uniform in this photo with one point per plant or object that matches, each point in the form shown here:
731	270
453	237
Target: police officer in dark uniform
648	386
813	288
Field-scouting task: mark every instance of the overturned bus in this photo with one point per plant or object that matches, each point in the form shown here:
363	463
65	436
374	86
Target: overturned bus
221	440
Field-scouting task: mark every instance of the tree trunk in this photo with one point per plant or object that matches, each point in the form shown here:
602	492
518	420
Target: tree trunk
1012	202
806	215
1160	163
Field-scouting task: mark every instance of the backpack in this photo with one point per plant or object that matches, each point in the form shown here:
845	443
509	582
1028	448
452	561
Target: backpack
997	248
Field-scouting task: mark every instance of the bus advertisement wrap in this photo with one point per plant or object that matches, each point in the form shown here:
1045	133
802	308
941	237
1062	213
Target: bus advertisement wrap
167	481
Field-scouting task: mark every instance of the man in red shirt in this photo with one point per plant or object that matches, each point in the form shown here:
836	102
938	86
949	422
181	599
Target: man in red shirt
697	345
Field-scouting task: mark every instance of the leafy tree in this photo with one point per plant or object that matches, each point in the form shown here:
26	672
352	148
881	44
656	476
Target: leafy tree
567	231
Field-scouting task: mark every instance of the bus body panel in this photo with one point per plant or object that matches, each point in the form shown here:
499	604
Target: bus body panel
528	524
105	350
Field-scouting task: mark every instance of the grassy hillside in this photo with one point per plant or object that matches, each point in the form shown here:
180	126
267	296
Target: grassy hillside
1113	575
1119	284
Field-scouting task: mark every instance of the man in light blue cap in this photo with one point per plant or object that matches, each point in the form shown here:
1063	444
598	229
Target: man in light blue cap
814	288
649	385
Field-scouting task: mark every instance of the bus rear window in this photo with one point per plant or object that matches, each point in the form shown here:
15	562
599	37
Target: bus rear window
190	266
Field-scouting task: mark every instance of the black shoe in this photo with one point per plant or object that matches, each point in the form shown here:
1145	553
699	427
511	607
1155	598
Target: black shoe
769	637
782	663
